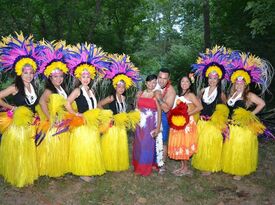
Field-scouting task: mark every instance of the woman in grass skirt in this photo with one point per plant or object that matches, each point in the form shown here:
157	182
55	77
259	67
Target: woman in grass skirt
85	156
53	143
211	65
240	150
17	149
115	140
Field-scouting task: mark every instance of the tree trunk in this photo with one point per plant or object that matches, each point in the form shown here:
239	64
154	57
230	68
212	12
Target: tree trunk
43	26
95	19
206	21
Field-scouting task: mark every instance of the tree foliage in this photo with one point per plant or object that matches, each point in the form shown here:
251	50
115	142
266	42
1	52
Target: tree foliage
155	33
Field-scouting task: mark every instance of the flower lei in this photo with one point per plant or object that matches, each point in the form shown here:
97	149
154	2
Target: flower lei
178	117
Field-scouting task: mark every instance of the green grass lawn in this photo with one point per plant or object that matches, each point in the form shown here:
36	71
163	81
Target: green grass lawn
127	188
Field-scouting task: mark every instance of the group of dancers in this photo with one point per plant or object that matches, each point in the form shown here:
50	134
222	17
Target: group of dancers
59	133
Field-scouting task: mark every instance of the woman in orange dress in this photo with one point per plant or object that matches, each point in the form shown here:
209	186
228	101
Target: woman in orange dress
182	142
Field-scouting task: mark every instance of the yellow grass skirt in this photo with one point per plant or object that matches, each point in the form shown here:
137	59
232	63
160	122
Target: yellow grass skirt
18	155
240	152
115	149
85	158
53	154
210	143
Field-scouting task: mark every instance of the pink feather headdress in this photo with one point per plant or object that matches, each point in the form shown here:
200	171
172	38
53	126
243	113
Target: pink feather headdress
251	69
215	60
86	58
18	52
121	69
52	57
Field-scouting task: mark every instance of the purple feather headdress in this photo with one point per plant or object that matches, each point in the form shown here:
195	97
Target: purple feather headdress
251	69
18	52
121	69
51	56
86	58
215	61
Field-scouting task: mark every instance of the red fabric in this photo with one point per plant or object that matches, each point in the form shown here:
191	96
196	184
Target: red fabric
166	88
143	169
179	110
146	103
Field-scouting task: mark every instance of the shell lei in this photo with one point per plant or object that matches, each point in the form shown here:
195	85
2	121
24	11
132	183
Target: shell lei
159	150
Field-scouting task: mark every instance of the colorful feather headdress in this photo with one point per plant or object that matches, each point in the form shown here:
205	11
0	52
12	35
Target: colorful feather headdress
251	69
213	61
52	57
121	69
18	52
86	58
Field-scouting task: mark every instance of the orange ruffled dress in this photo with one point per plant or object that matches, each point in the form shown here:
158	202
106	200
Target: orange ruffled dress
182	143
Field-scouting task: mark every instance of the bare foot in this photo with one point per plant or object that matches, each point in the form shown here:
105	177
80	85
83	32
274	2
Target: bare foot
162	170
238	178
177	170
86	178
184	173
206	173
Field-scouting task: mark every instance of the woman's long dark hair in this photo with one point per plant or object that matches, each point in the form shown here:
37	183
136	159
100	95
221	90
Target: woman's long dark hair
19	84
190	89
49	85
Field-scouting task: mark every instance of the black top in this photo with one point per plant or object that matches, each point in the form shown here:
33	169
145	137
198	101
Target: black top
82	104
238	103
20	100
208	109
114	107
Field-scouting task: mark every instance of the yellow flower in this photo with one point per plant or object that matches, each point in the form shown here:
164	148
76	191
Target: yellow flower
240	73
215	68
178	120
122	77
55	65
79	69
22	63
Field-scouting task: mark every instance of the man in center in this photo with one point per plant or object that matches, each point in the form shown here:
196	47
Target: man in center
165	99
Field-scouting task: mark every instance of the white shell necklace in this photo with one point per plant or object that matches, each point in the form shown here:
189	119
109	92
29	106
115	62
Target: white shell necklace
62	92
30	95
231	101
208	99
120	106
88	98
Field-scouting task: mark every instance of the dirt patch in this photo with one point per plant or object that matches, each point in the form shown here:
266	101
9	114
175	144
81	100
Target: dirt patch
127	188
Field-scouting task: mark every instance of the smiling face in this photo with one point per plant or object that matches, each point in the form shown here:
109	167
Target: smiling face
163	79
57	78
240	86
120	88
151	84
85	79
213	80
185	83
27	74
